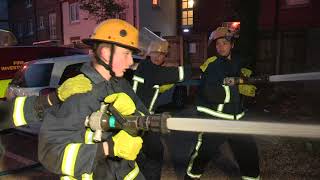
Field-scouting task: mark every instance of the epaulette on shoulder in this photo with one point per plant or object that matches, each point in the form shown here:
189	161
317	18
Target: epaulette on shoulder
204	66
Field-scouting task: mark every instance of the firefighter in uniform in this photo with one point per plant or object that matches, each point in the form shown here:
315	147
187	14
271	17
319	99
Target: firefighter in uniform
149	79
216	100
21	111
65	146
151	76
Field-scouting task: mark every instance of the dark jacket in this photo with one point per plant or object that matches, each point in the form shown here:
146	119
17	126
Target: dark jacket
214	95
63	134
149	77
18	112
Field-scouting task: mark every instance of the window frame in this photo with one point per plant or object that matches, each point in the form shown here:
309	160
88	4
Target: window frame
30	27
23	77
53	26
20	29
186	10
74	12
41	23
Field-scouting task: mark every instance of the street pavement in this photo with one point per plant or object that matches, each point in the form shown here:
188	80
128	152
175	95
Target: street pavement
280	158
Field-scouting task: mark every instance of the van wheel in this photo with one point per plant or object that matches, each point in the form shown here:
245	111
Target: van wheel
180	96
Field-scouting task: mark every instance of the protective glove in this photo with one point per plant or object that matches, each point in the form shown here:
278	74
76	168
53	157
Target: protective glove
124	146
122	102
76	85
247	90
165	87
246	72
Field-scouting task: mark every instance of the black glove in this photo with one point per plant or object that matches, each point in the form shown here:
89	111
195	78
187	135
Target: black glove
43	102
6	110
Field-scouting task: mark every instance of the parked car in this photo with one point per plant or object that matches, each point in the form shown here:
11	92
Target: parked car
43	75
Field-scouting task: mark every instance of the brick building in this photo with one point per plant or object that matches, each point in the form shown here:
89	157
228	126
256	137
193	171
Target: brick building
35	20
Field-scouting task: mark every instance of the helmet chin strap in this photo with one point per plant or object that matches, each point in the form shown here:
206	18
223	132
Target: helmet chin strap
101	60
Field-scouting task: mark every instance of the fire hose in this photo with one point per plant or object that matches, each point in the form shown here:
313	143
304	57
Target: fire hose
108	118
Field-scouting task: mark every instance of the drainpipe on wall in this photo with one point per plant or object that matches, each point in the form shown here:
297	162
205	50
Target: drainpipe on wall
35	19
277	39
61	23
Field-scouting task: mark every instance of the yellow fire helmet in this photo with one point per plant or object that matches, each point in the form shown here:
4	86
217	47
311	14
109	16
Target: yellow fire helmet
115	31
221	32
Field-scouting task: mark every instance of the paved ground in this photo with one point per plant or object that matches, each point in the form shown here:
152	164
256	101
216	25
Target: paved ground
280	158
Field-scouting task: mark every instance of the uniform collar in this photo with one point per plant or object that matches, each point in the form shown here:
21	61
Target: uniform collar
91	73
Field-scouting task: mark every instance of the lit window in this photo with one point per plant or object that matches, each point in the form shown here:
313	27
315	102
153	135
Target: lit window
187	12
53	25
74	12
41	22
155	3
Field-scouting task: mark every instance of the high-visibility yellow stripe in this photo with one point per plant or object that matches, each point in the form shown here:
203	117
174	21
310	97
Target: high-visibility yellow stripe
67	178
220	107
18	114
193	157
134	173
219	114
88	138
87	176
204	66
154	98
137	78
181	73
250	178
227	91
141	113
136	81
4	86
165	87
69	158
135	86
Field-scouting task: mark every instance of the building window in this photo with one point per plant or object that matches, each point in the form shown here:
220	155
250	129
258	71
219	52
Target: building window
20	30
187	12
28	3
53	25
155	3
30	27
41	22
75	40
74	12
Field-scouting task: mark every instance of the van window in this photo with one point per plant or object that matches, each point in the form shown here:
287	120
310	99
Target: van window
34	75
70	71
